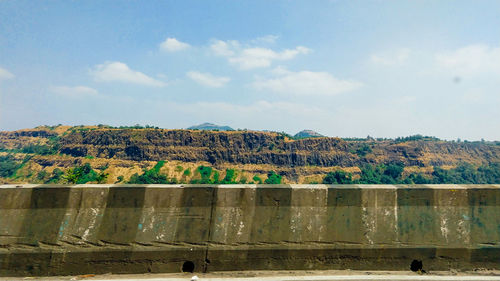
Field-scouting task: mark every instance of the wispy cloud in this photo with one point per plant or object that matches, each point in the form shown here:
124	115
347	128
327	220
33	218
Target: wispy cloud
306	83
5	74
395	57
473	59
173	45
207	79
76	91
246	58
120	72
268	39
224	48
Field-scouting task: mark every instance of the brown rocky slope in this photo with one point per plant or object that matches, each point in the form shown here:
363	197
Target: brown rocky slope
127	151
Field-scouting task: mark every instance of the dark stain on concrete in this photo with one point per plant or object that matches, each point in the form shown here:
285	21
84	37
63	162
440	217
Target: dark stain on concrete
122	215
44	219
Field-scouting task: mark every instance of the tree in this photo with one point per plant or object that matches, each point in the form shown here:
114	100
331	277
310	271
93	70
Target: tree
338	177
273	178
230	176
8	166
151	176
394	171
205	173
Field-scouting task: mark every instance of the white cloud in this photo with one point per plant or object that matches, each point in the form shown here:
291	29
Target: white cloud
306	83
207	79
173	45
76	91
269	39
262	57
253	57
397	57
224	48
118	71
5	74
473	59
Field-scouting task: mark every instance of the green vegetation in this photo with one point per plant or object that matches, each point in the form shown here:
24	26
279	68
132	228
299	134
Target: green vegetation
363	150
393	174
56	176
150	176
338	177
8	166
282	135
216	177
119	179
84	174
230	177
417	137
39	149
257	179
41	175
205	174
243	180
34	149
273	178
136	126
467	174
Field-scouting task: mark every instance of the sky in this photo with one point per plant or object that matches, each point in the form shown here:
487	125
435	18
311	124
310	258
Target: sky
341	68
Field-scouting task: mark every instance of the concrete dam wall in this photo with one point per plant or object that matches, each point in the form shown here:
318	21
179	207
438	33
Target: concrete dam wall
66	230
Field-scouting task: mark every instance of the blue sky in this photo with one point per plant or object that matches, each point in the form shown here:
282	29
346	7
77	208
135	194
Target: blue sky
342	68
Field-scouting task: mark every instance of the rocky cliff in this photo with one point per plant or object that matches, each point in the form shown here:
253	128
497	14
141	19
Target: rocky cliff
38	155
249	147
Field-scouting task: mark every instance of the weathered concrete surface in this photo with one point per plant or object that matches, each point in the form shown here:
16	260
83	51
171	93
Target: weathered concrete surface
68	230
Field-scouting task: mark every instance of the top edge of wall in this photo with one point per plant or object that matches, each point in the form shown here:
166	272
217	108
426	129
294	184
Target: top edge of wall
294	186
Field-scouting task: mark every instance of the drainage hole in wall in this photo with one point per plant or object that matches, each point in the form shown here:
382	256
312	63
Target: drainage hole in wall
188	266
416	265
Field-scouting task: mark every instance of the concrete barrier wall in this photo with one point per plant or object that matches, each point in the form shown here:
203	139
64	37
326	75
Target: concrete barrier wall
61	230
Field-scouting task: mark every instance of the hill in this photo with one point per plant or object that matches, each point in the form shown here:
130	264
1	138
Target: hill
56	154
307	134
210	127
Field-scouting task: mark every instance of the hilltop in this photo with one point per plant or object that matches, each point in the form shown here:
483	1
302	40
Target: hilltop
210	127
307	134
32	155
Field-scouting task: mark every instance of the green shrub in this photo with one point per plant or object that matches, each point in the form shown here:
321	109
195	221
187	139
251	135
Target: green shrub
119	179
257	179
230	177
243	180
273	178
151	176
363	150
338	177
56	176
41	175
84	174
8	166
39	149
205	174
